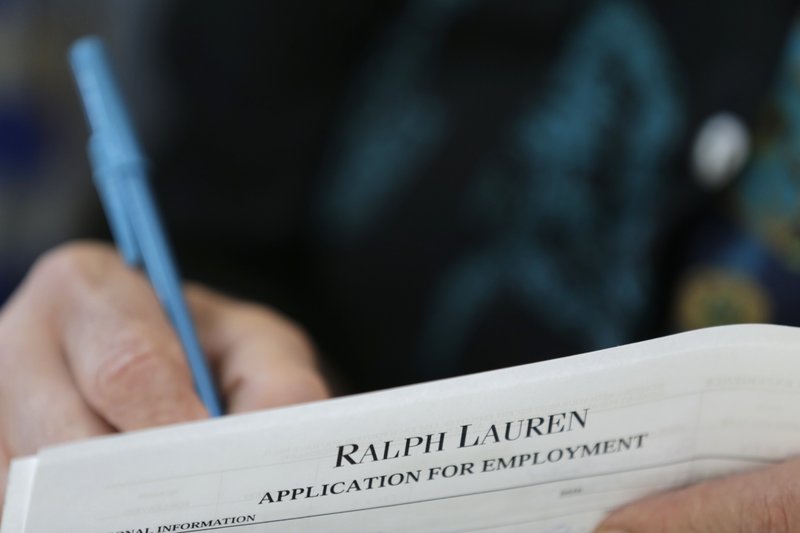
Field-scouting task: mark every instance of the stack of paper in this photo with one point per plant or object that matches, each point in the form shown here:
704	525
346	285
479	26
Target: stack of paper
546	447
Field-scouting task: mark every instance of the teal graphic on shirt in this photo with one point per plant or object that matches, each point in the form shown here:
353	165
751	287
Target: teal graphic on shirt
396	125
568	199
575	249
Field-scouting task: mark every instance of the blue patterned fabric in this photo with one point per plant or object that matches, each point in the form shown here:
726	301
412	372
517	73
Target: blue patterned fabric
745	262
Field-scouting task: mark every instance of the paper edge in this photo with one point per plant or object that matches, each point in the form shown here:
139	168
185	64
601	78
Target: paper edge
19	491
709	338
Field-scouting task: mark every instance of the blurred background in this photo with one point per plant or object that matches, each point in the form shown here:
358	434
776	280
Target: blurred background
46	194
452	185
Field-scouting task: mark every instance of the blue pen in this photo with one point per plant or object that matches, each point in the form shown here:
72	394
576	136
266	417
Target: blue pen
120	176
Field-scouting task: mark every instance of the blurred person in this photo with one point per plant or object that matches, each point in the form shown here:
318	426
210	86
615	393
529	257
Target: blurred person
429	188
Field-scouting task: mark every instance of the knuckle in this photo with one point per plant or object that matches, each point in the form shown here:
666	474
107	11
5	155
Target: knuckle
133	364
81	262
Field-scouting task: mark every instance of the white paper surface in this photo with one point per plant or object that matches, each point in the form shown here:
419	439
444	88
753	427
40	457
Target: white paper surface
20	485
548	447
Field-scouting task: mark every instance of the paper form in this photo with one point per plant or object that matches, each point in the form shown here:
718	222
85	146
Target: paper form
548	447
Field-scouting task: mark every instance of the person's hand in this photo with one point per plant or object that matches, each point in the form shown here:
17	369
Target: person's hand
85	349
766	500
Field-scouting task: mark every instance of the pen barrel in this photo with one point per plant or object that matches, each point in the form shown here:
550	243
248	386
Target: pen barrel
112	147
121	179
102	101
113	198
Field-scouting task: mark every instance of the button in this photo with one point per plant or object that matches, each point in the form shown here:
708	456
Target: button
720	150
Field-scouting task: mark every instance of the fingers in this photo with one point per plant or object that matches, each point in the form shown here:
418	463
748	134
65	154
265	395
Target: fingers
85	349
262	359
126	361
40	406
764	500
39	403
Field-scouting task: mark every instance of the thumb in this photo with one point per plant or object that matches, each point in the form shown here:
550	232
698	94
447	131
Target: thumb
765	500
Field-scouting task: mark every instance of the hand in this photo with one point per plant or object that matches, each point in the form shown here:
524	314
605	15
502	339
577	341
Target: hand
85	350
761	501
